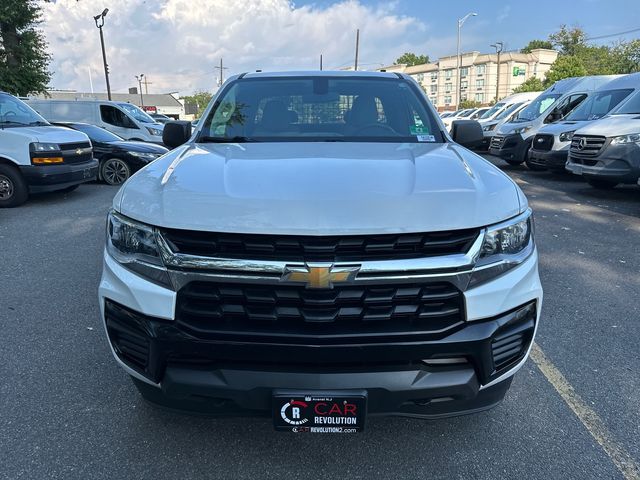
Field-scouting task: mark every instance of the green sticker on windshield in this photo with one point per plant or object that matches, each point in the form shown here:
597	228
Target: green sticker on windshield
418	130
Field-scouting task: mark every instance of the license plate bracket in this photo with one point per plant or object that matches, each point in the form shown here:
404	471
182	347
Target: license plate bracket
319	412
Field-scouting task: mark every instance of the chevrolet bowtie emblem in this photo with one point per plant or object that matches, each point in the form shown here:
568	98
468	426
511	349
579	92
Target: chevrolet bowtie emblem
319	275
79	151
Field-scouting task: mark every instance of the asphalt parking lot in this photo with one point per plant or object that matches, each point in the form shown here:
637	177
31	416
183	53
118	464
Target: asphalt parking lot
67	410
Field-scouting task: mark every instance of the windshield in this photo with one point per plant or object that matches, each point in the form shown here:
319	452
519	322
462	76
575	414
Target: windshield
303	109
136	113
508	111
598	105
16	113
97	134
537	107
491	112
630	106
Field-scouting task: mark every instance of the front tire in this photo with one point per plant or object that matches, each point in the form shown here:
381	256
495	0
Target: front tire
513	162
115	171
13	189
602	184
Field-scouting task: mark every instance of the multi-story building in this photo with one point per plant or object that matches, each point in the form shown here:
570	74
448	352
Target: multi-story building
478	75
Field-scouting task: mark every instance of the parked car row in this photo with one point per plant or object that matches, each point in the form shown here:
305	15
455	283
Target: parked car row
39	156
589	126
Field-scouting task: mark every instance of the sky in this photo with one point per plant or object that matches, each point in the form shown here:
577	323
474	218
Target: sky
178	43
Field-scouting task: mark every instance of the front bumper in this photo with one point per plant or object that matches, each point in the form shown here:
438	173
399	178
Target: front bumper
509	147
551	159
47	178
180	369
616	163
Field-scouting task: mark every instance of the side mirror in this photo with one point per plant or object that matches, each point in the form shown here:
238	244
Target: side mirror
176	133
467	133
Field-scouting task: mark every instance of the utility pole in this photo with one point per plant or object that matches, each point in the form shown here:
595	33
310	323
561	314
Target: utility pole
459	58
320	61
146	85
221	68
139	79
357	48
498	46
99	19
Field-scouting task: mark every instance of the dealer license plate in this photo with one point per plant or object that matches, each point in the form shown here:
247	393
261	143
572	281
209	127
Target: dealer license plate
319	412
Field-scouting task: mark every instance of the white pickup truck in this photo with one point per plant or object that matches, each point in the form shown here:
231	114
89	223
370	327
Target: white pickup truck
38	157
321	249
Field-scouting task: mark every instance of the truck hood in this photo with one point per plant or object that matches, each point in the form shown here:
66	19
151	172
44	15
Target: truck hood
48	133
320	189
613	125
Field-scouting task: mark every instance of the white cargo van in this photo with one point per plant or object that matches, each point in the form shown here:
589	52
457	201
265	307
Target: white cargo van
550	147
513	139
502	112
38	157
124	119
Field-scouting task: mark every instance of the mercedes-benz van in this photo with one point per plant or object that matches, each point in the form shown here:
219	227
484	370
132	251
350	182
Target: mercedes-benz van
513	140
550	147
124	119
503	112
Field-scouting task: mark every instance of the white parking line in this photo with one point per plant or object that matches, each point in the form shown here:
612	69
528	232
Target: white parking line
589	418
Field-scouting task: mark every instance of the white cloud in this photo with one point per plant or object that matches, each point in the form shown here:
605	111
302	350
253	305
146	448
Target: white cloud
177	43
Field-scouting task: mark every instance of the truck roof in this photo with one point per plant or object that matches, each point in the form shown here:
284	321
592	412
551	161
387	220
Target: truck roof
318	73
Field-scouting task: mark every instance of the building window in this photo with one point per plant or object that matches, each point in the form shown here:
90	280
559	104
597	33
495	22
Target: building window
434	89
480	83
434	76
420	77
447	99
434	100
480	97
448	73
464	84
447	87
463	97
480	69
464	71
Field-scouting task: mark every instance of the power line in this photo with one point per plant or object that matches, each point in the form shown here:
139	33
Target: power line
613	34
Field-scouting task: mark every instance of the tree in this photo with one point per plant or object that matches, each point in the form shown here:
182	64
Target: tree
24	61
565	66
569	39
469	104
411	59
626	57
534	44
200	100
531	84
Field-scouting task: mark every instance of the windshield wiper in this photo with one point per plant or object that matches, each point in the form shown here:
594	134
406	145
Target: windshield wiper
38	122
236	139
11	122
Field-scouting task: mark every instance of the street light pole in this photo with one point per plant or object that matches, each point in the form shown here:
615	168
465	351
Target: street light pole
139	79
498	46
99	19
459	59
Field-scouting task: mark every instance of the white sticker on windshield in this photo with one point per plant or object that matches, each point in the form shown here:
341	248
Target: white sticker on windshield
426	138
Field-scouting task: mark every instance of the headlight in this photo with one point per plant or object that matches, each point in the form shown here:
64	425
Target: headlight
566	136
144	155
505	246
155	131
522	129
133	245
631	138
45	147
488	128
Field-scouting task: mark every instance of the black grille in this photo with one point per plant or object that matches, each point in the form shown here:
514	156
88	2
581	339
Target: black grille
497	141
128	337
69	152
542	142
74	146
587	146
288	313
330	248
